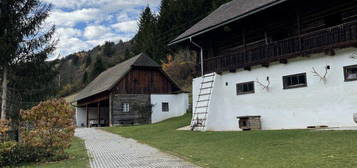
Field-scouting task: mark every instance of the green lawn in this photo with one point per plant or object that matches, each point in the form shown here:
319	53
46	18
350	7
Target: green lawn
256	149
78	158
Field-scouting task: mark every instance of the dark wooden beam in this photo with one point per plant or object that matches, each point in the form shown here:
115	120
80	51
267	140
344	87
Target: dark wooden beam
283	61
247	68
332	52
87	116
266	65
244	42
98	110
298	22
93	101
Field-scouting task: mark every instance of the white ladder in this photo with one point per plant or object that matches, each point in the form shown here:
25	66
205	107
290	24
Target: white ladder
199	117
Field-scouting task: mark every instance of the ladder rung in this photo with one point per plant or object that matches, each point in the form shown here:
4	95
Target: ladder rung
203	100
207	82
199	119
200	113
202	107
205	94
206	88
208	75
199	126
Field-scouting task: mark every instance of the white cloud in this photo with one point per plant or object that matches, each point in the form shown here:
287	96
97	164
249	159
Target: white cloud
108	5
68	32
70	19
68	46
97	32
83	24
127	27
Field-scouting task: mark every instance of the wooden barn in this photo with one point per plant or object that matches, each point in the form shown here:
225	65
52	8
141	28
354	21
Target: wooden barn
275	64
136	91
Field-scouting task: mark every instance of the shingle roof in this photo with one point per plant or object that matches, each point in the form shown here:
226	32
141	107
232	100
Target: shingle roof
225	14
106	80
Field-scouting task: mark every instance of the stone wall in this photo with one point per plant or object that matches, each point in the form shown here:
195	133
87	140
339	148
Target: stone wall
140	109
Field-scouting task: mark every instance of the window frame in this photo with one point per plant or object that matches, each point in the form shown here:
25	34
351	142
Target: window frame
285	85
245	93
125	107
163	108
345	73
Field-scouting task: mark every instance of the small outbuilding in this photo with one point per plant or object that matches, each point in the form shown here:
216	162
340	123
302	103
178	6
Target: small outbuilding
136	91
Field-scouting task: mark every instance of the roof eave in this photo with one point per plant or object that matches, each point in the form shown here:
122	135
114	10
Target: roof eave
226	22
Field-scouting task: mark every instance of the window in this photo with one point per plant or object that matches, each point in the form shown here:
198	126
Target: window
350	73
295	81
126	107
165	107
245	88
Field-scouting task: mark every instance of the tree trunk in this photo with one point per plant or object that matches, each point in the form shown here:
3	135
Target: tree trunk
4	95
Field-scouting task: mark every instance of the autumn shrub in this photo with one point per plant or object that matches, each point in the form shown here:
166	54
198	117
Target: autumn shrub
181	67
47	128
6	149
4	128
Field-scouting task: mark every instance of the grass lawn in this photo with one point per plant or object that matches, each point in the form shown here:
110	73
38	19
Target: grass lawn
256	149
78	158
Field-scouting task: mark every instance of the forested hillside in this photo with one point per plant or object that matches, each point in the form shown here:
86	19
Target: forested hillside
78	69
155	32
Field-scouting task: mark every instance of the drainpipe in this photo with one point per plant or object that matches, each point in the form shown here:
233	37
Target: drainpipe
201	54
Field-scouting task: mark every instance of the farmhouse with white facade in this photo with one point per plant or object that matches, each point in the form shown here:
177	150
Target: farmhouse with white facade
136	91
275	64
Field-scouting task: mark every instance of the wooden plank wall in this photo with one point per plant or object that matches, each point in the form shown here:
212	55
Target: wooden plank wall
145	81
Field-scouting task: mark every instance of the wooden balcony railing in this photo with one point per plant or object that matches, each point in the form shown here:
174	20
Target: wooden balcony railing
344	35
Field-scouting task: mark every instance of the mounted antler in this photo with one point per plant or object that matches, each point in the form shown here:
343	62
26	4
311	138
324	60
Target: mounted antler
264	86
322	77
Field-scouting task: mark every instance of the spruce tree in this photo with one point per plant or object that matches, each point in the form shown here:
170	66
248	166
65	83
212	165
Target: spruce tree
24	39
127	54
108	49
145	39
85	78
97	69
88	60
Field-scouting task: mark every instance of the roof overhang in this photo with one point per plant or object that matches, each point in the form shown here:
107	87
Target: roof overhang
257	10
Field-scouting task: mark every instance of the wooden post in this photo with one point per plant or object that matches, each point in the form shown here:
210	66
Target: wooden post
110	109
87	115
266	37
245	46
98	110
298	20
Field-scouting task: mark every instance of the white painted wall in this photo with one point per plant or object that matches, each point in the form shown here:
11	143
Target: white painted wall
332	103
178	105
81	115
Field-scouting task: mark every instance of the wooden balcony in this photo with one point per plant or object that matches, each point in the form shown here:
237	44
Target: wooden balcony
324	40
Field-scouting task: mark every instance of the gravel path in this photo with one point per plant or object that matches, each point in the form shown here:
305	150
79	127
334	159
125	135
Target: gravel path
113	151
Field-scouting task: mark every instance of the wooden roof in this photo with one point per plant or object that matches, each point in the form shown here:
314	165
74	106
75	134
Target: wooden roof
225	14
107	79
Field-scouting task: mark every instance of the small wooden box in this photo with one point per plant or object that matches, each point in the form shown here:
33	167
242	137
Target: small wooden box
247	123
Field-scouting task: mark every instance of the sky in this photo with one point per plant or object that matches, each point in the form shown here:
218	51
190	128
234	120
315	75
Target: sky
84	24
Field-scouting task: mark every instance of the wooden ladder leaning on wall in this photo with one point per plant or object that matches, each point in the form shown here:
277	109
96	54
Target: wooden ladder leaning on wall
199	117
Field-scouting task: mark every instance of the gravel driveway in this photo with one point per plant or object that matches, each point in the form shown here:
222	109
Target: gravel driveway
113	151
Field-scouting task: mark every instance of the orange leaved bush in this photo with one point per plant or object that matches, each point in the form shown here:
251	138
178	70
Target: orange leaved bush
48	126
4	128
181	68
